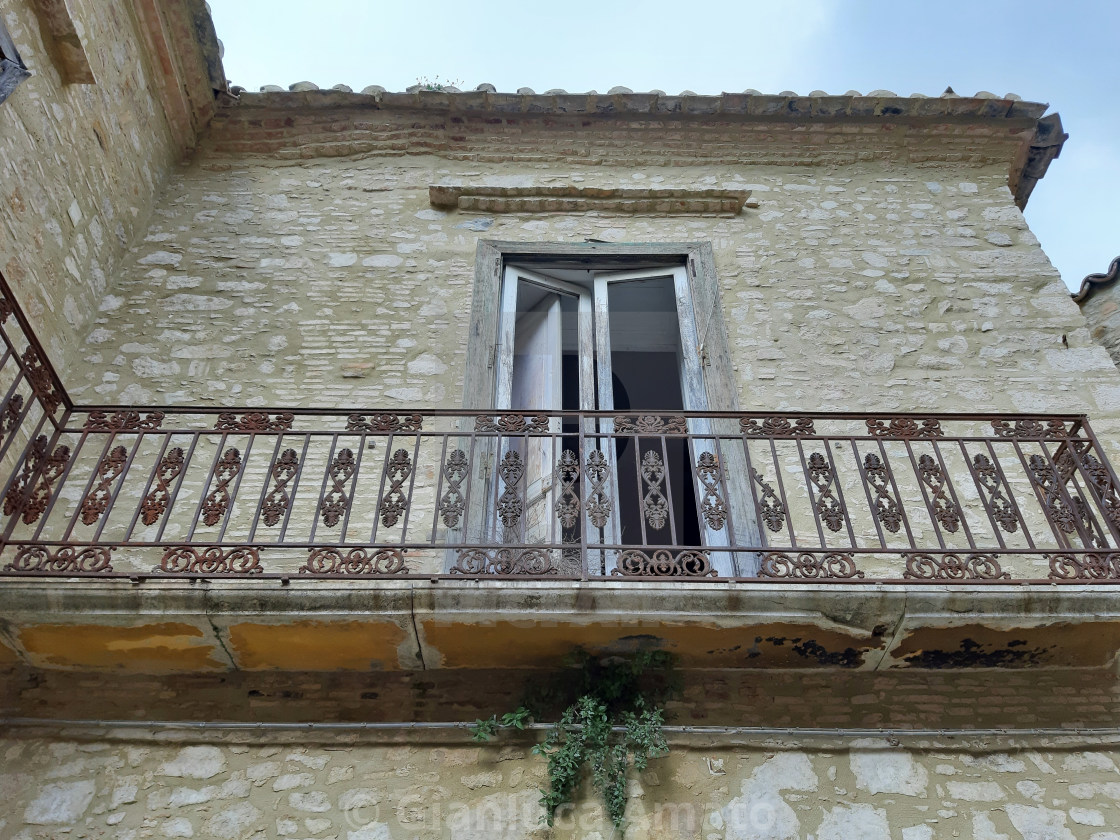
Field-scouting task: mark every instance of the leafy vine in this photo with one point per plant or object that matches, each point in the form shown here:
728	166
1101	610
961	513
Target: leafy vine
610	719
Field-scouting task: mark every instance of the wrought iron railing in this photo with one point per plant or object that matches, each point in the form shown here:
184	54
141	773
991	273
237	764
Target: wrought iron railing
115	492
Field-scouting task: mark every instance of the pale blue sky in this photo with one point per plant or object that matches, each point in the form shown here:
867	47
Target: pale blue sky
1061	53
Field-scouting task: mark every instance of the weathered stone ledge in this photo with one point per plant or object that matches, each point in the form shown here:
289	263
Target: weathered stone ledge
619	104
168	627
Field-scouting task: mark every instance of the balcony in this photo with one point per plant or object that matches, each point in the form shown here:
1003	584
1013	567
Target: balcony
866	540
308	493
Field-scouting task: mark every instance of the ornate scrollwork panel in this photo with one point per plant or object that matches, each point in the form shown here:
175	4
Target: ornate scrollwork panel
355	562
771	507
655	508
1084	567
254	421
452	503
31	492
887	509
921	566
211	560
827	507
834	564
905	428
276	502
777	427
944	511
68	559
1083	511
123	421
1031	429
998	495
41	381
395	503
110	468
567	505
651	424
13	499
1046	477
511	423
225	471
598	499
9	415
384	423
155	503
663	563
1101	479
505	561
712	507
336	501
510	504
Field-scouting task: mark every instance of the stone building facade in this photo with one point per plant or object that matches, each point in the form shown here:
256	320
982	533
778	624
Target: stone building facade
233	275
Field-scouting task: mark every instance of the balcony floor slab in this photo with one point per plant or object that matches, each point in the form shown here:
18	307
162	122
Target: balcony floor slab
181	627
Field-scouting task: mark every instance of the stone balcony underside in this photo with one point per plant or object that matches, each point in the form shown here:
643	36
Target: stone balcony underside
360	626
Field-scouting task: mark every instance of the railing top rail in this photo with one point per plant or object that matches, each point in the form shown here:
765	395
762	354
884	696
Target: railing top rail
471	412
10	306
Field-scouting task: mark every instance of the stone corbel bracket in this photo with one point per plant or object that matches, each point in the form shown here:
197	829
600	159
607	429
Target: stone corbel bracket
573	199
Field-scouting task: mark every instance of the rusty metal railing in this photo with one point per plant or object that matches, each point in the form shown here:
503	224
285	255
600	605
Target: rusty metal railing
106	492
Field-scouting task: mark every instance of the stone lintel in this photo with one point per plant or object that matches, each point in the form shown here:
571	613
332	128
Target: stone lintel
570	198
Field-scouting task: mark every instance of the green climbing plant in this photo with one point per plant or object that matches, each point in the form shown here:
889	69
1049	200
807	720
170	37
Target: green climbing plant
610	716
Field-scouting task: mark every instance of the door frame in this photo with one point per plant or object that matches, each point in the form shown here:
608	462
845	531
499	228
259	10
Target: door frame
492	256
719	383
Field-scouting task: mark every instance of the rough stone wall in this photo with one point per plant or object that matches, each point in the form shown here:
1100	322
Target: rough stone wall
240	786
80	165
333	282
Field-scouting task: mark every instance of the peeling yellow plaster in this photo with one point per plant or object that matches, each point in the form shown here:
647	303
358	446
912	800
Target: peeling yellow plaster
147	648
529	644
8	656
317	646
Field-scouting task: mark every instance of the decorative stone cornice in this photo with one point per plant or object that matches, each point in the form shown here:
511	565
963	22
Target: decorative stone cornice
747	127
984	106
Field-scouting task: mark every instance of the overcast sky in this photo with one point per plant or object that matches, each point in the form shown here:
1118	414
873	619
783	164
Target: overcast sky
1061	53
